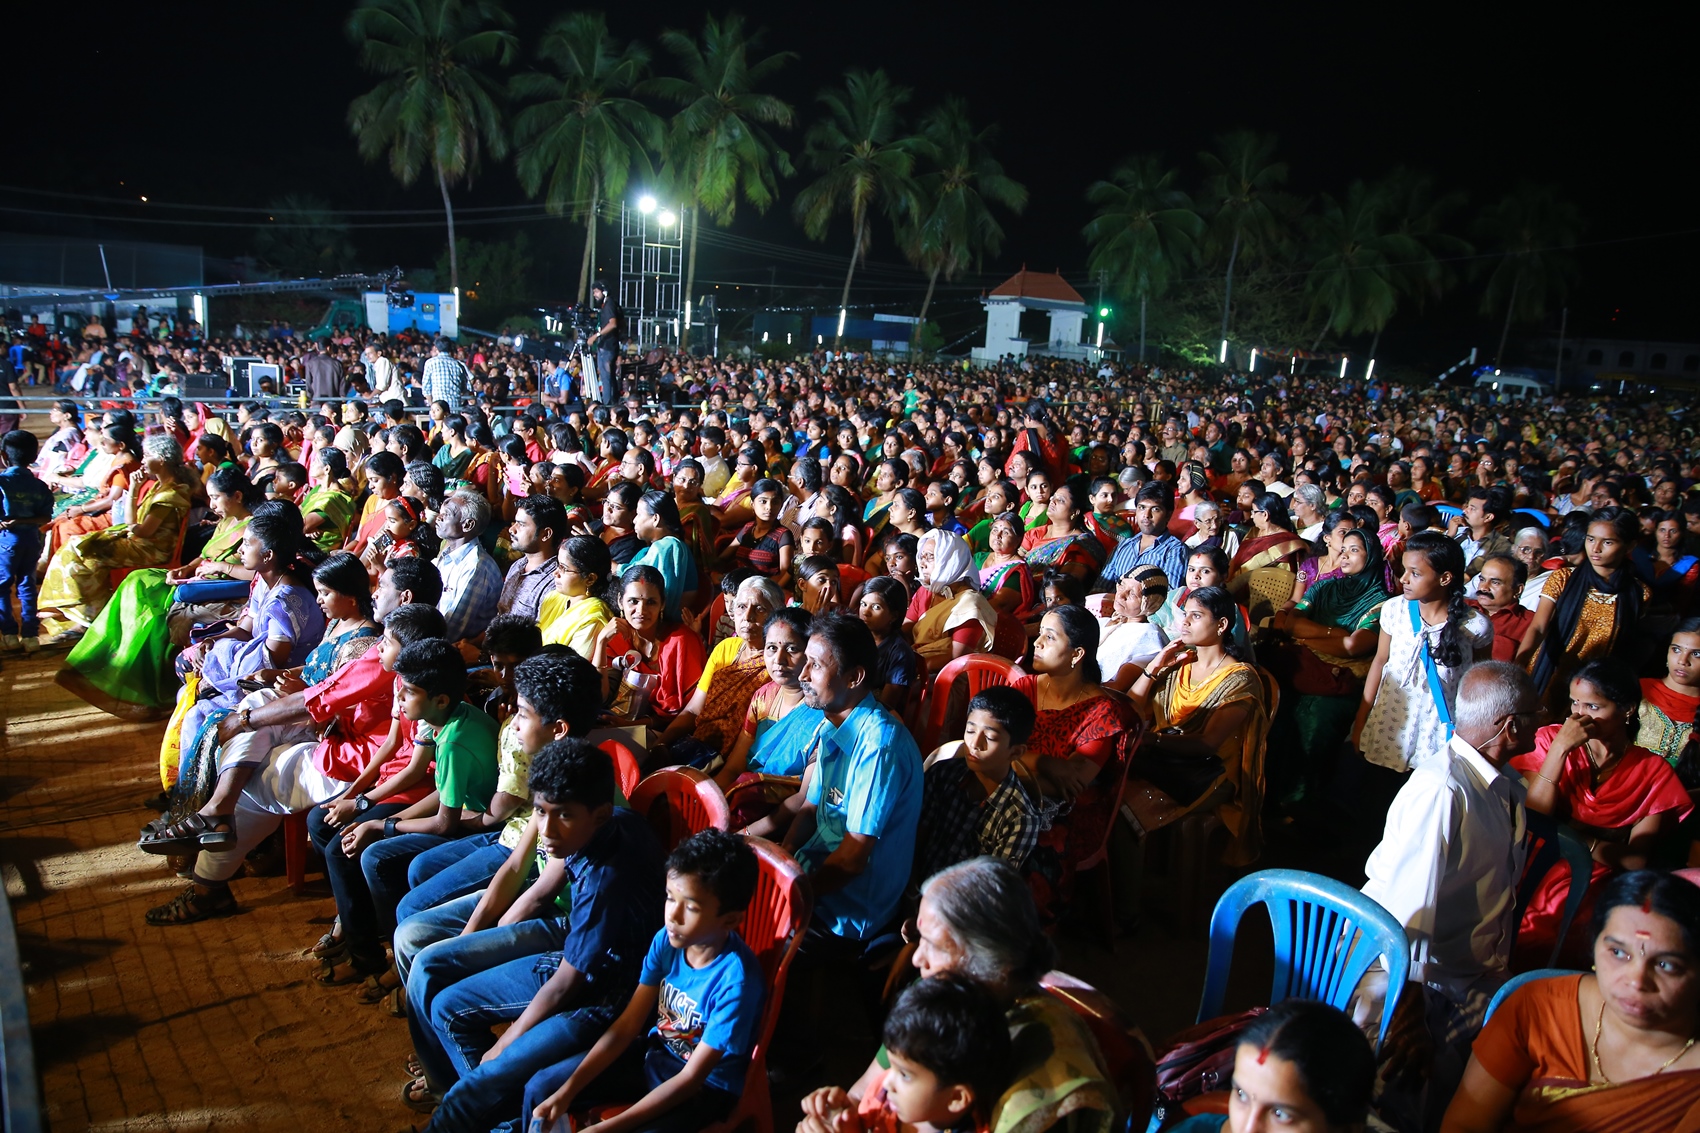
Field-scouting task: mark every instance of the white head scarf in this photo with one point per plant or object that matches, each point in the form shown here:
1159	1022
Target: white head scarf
953	562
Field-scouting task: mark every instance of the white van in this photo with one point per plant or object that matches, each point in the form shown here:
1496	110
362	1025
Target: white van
1512	387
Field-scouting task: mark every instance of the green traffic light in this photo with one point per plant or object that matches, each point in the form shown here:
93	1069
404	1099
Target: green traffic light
1103	312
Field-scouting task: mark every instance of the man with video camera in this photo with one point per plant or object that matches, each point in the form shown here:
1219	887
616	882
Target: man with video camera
606	340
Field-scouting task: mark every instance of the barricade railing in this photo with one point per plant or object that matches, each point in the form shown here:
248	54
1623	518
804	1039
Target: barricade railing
22	1094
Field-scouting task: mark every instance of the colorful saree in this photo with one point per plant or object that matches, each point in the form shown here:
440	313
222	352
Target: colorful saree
728	699
127	651
1640	785
573	624
933	629
337	509
1667	719
1179	703
1283	548
79	579
1077	549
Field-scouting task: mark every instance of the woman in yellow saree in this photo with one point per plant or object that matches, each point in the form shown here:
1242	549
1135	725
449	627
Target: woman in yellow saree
574	614
79	579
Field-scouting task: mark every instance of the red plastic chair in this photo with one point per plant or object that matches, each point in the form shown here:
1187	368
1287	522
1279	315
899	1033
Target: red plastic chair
773	928
1099	859
679	801
627	772
295	850
983	670
1127	1053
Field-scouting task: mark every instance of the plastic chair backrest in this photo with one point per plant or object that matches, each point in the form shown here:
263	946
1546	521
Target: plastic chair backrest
1539	517
1132	1071
679	802
1447	510
1518	981
627	772
1556	841
983	670
1136	733
1271	692
1326	936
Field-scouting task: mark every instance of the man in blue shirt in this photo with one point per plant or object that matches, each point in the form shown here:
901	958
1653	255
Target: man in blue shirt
855	834
1153	544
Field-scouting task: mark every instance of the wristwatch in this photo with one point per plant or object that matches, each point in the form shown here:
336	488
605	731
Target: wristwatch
362	804
247	722
389	828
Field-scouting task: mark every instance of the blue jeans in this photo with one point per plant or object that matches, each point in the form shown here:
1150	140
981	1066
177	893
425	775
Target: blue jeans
19	550
451	870
487	1093
627	1079
348	885
385	864
423	929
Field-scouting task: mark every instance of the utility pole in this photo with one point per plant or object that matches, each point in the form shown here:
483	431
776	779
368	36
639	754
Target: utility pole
1558	364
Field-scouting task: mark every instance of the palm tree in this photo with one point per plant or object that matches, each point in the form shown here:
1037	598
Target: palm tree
1146	228
580	141
436	105
1416	209
1362	264
956	225
717	146
1530	229
865	160
1242	180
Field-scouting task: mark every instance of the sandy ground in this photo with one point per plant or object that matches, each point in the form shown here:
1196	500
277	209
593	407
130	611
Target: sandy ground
219	1026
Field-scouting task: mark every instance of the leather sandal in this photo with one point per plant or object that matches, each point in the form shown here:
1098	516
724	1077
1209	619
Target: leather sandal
197	832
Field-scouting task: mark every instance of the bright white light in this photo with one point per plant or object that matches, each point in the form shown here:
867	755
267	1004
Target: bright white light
764	336
842	313
820	340
1343	362
787	338
1224	355
1100	336
646	204
687	312
198	307
1293	366
1370	370
1254	360
667	219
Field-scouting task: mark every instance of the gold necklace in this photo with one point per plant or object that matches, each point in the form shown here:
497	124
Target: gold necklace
1600	1023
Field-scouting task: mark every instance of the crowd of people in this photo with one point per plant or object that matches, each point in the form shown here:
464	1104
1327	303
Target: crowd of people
413	594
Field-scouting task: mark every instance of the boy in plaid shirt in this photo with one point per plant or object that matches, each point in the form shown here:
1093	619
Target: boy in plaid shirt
978	804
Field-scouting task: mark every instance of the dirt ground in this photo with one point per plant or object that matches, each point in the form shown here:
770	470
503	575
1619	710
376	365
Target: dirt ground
219	1026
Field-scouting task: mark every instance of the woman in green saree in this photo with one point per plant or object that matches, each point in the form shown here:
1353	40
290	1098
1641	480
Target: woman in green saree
455	455
123	664
327	510
1335	629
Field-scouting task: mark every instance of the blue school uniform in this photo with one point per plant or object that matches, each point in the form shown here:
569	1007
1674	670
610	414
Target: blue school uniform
22	497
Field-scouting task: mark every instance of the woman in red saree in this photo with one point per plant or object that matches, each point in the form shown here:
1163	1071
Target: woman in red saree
1612	1049
1618	796
1076	754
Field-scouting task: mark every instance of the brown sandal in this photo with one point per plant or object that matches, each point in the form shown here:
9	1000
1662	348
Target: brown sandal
377	988
416	1095
191	905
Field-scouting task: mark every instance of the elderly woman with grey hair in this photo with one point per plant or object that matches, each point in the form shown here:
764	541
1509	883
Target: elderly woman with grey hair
1212	530
704	732
978	920
79	577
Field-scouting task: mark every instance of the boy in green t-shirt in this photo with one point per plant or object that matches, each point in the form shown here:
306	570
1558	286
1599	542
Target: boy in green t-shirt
431	680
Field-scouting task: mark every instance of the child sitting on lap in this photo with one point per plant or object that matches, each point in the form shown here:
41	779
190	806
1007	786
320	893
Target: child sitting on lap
947	1060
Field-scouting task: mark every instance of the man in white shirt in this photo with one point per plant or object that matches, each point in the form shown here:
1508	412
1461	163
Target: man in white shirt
382	377
1452	854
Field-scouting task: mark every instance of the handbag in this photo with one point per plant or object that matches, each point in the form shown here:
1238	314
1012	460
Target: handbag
1201	1058
1183	776
211	590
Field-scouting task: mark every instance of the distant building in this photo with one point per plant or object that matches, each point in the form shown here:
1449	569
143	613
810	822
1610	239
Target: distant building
1591	359
36	270
1033	291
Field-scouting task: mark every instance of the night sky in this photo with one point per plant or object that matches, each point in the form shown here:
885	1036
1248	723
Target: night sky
233	104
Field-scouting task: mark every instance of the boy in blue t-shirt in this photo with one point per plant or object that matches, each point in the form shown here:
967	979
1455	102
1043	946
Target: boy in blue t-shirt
26	505
703	989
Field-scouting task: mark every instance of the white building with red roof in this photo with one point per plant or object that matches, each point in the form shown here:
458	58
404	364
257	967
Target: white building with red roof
1036	291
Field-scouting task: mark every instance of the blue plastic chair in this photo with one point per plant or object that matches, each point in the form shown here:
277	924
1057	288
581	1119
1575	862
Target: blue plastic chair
1447	511
1539	517
1518	981
1327	934
1557	841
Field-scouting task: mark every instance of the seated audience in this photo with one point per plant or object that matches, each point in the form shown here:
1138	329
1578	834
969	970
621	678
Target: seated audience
976	803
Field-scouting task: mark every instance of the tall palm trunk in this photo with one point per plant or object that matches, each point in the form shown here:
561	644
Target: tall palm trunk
1142	330
1505	332
589	246
1228	285
932	281
454	253
844	297
690	282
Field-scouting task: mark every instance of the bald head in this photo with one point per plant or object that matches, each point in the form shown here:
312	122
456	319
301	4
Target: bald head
1496	710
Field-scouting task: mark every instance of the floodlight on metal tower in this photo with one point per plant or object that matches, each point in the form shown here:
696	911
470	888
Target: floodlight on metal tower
646	204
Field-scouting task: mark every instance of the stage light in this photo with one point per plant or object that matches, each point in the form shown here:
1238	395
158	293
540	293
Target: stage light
646	204
1254	360
1223	357
666	219
1370	371
1343	362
